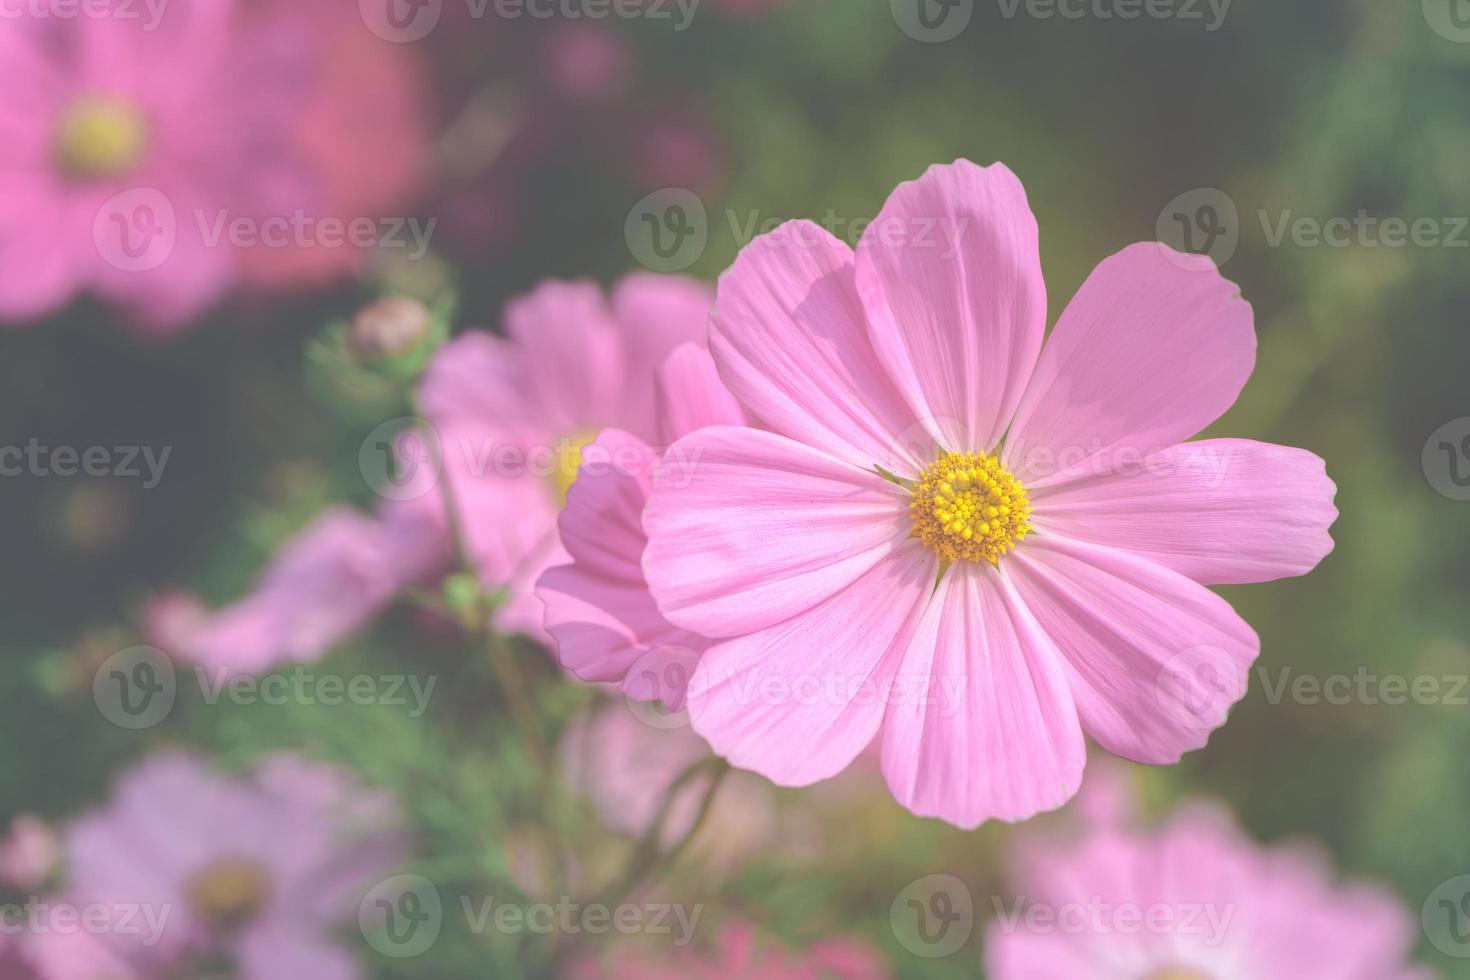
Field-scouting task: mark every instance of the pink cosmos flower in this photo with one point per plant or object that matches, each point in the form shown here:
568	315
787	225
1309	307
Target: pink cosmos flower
511	418
738	951
325	585
362	134
261	868
513	415
1222	908
598	608
971	547
118	133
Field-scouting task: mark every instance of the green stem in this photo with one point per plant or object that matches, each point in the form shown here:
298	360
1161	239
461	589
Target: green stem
646	855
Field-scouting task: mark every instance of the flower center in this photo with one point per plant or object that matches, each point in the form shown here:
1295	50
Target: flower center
229	892
100	136
1176	973
967	505
568	461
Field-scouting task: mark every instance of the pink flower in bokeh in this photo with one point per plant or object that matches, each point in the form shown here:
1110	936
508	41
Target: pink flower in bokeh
625	767
599	612
261	868
29	853
120	133
511	418
586	63
169	619
952	539
675	145
363	134
324	585
1221	907
737	951
513	415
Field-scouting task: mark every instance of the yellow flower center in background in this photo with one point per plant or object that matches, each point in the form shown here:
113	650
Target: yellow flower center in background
229	892
568	461
967	505
1176	973
100	136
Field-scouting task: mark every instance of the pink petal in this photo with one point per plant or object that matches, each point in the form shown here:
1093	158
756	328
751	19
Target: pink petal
950	277
985	728
692	396
747	528
659	313
798	701
283	950
1155	660
325	584
1015	951
521	610
45	247
1154	347
505	511
475	379
574	357
789	336
655	315
1216	510
598	609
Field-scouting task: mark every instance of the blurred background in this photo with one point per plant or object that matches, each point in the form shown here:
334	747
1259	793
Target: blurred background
519	148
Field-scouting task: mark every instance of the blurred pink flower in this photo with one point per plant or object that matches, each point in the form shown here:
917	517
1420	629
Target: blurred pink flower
625	766
935	491
262	868
124	139
675	145
170	619
363	135
29	853
1221	906
585	63
511	418
513	415
598	609
325	584
737	952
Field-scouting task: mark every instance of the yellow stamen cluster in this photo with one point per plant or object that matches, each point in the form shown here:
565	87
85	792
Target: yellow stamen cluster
967	505
568	462
229	892
100	136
